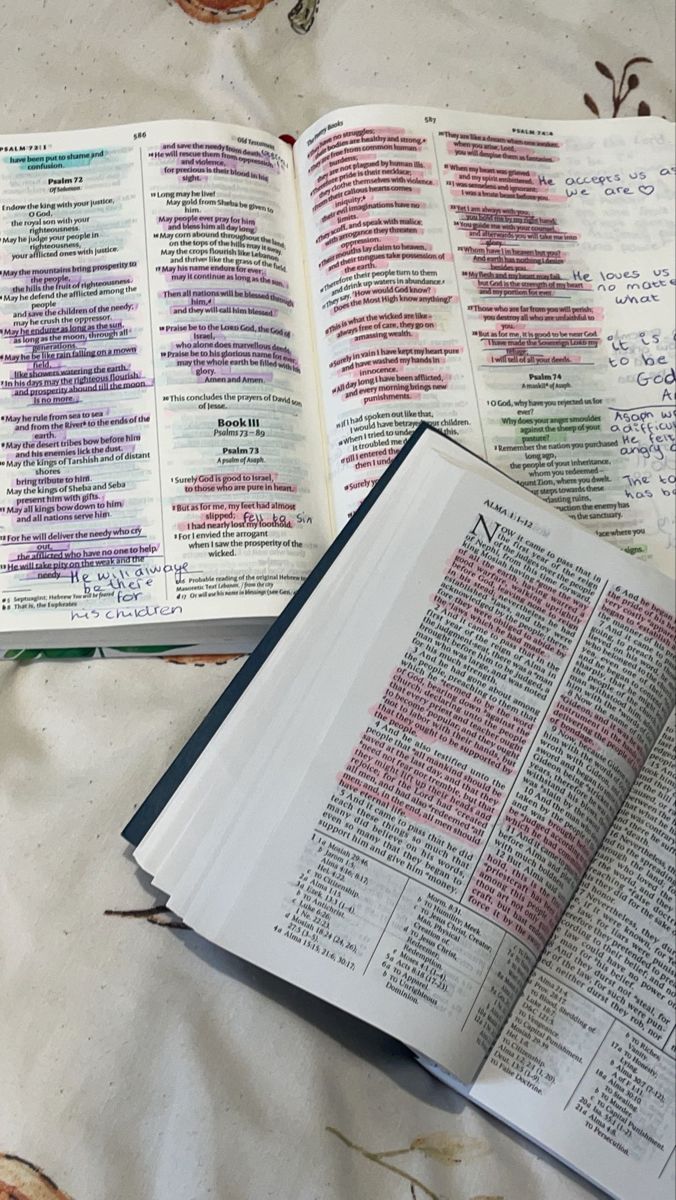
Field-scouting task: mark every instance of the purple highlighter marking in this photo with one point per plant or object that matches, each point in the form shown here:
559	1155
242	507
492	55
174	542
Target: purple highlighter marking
86	345
27	453
196	162
78	345
212	221
225	274
32	560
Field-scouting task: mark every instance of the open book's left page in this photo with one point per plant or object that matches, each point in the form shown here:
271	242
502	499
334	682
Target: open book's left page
160	458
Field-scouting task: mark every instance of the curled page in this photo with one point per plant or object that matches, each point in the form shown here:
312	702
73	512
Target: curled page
586	1063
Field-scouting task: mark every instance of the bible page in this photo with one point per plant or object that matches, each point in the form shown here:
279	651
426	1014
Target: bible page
409	843
512	282
585	1065
212	800
161	455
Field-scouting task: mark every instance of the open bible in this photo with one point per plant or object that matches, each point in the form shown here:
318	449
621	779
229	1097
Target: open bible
440	795
212	344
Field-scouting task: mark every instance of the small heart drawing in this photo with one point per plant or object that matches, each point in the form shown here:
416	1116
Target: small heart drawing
646	189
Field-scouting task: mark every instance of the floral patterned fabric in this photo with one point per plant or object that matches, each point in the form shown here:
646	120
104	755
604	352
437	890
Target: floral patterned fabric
136	1061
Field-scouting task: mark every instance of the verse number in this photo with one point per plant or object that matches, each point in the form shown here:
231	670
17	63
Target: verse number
140	133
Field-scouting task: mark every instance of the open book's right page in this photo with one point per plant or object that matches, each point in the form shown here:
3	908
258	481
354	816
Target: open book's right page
401	833
585	1065
510	281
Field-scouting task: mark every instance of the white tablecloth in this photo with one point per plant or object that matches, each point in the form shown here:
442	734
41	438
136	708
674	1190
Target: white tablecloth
136	1061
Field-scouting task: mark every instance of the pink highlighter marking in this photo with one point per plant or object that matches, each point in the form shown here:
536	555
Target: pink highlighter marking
422	787
565	844
468	570
517	635
593	730
442	712
641	616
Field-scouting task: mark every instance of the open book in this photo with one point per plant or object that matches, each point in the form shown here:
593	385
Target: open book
442	799
211	344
